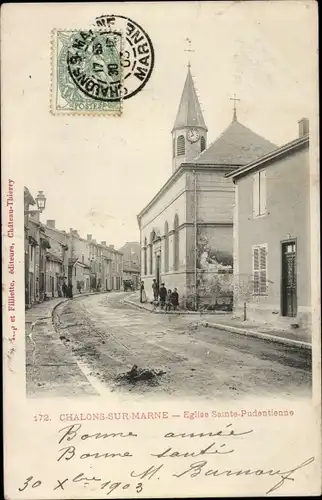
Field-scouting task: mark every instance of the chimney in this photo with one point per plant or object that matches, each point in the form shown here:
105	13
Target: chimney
112	247
94	241
303	127
71	230
89	237
51	223
103	243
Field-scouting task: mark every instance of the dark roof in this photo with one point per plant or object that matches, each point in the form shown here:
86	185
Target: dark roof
189	112
53	257
286	149
75	260
28	197
129	269
237	145
130	245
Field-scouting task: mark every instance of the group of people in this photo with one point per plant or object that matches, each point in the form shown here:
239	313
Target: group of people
167	299
67	290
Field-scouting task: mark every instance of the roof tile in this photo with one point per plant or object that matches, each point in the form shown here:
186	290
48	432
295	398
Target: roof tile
237	145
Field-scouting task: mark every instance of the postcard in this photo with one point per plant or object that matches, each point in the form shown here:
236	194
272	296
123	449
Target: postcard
161	250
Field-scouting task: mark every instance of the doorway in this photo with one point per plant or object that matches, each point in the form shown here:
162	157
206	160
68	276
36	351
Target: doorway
289	285
157	269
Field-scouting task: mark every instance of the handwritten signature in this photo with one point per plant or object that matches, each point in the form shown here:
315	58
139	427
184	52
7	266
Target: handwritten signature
198	468
170	460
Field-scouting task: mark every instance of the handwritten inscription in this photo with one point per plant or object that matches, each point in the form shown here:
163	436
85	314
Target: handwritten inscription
175	458
70	452
84	480
202	468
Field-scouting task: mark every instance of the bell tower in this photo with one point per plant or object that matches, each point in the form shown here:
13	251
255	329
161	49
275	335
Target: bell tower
189	133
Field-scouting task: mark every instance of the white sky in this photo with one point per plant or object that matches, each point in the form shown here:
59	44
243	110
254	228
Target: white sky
98	173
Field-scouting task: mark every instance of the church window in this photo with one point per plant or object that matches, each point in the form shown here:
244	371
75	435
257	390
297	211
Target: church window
259	193
202	143
145	258
166	247
176	243
181	147
173	148
151	253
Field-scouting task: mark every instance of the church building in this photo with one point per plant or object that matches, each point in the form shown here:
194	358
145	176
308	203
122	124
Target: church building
186	230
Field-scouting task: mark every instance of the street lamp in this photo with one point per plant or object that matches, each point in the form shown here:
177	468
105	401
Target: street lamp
41	204
41	201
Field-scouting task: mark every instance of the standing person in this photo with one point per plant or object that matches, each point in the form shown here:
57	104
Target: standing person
142	292
168	301
155	288
175	299
162	295
64	288
70	291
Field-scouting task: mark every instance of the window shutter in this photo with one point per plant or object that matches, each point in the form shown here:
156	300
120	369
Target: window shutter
256	270
256	194
181	147
263	270
262	187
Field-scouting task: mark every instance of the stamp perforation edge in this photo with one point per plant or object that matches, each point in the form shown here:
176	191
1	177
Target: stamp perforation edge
53	53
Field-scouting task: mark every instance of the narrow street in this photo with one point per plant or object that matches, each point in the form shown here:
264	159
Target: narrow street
106	337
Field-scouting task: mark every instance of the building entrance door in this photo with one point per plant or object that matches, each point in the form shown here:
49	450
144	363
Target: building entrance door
157	269
289	288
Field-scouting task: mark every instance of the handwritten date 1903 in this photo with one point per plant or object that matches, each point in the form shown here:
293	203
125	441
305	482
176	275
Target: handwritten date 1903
82	479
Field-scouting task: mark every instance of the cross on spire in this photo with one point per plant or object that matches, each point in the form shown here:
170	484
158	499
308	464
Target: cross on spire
235	113
189	49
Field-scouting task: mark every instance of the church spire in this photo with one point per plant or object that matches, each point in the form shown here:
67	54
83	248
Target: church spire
189	112
189	133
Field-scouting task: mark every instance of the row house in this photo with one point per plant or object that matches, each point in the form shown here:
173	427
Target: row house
131	272
131	262
54	257
272	251
94	266
29	243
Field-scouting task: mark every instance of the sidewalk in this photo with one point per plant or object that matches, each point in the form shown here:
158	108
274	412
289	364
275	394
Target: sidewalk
297	338
51	370
134	300
225	321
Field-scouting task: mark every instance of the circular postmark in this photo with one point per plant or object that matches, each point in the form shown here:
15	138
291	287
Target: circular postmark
94	63
137	55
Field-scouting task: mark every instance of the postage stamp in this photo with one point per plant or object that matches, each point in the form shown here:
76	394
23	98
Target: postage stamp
87	74
137	55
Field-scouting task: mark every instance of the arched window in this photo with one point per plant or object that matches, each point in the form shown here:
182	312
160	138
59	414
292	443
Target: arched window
151	253
181	147
166	247
176	243
202	143
145	257
173	148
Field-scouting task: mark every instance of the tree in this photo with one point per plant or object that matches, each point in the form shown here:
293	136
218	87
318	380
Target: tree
244	291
